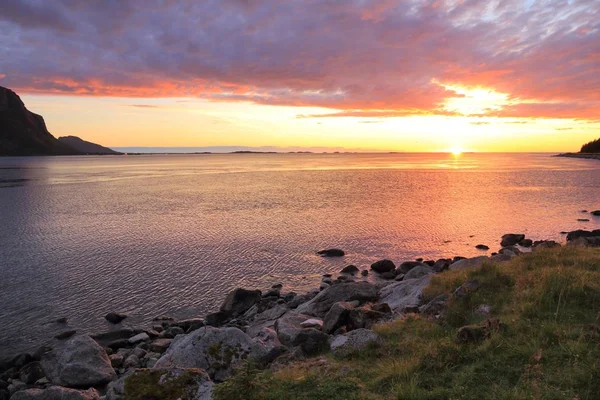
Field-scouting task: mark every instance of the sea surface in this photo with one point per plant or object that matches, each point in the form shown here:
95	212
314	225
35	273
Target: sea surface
172	234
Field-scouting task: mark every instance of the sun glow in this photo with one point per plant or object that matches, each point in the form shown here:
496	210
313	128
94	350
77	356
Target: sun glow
456	151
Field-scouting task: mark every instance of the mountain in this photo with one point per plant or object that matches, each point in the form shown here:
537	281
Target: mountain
591	147
85	147
23	133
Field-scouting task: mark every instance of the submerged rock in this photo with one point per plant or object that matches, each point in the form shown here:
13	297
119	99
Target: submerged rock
350	269
331	253
115	318
511	239
482	247
78	362
239	301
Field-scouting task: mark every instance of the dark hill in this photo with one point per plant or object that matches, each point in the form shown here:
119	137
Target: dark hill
85	146
591	147
23	133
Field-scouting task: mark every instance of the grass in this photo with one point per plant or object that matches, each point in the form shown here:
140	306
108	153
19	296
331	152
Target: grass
549	303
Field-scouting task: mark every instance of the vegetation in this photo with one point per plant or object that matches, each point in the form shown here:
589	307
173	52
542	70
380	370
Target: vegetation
549	348
591	147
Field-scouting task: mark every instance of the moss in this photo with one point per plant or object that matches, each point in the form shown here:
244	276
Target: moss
150	384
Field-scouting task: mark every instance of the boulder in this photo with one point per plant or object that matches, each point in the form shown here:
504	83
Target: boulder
469	263
350	269
31	372
367	315
56	393
511	239
596	213
441	265
311	341
417	272
171	332
215	350
406	266
140	337
218	318
168	384
405	293
382	266
297	301
545	244
78	362
435	306
581	233
160	345
288	326
331	253
115	318
354	341
116	360
526	243
108	337
589	241
312	323
336	317
320	304
239	301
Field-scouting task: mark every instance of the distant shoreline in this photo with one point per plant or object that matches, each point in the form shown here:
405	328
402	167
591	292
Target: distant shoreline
592	156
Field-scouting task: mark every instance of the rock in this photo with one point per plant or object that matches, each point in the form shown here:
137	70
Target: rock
312	323
56	393
168	384
215	350
311	341
31	372
466	288
583	220
171	332
16	386
441	265
217	319
116	360
382	266
132	361
108	337
417	272
596	213
189	324
589	241
501	258
482	247
21	360
403	294
350	269
581	233
239	301
510	250
331	253
140	337
366	316
389	275
511	239
320	304
297	301
435	306
364	272
115	318
288	326
469	263
78	362
336	317
354	341
545	244
65	334
118	344
399	277
484	310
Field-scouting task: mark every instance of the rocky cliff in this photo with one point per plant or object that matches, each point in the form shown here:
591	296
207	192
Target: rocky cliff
84	146
24	133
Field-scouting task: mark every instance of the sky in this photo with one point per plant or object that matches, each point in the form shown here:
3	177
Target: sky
379	75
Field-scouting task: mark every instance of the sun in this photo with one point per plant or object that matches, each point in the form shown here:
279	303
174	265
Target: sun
456	151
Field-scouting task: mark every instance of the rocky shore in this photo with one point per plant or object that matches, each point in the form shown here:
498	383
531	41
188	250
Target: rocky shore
185	359
591	156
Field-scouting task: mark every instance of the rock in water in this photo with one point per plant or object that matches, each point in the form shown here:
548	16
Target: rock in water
482	247
405	293
115	318
239	300
511	239
78	362
321	303
56	393
168	384
357	340
331	253
596	213
382	266
350	269
215	350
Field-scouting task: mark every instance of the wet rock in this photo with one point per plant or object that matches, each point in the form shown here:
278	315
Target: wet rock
382	266
297	301
331	253
457	258
482	247
511	239
583	220
350	269
160	345
417	272
469	263
581	233
115	318
78	362
56	393
354	341
215	350
596	213
31	372
168	384
288	326
336	317
65	334
403	294
320	304
240	300
311	341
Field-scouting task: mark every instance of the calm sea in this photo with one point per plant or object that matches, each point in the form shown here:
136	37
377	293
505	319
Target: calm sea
171	234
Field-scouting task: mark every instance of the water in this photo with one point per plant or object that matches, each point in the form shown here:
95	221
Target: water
172	234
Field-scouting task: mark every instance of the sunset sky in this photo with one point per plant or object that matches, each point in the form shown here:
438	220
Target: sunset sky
371	75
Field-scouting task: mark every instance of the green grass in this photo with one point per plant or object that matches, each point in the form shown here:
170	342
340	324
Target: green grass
549	303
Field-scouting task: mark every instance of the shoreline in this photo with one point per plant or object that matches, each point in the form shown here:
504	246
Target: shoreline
587	156
271	327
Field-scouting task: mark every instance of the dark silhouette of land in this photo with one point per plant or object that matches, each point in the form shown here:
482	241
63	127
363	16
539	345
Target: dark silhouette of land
86	147
591	147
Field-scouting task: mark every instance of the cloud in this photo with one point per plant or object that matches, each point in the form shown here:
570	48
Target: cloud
143	106
479	123
364	58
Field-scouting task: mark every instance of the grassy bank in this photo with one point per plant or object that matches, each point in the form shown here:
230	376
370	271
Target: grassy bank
546	347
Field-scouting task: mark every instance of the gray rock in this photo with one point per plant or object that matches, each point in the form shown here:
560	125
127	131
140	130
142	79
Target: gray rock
215	350
435	306
56	393
511	239
404	294
115	318
383	266
312	323
140	337
31	372
406	266
108	337
526	243
311	341
240	300
501	258
545	244
189	324
160	345
364	272
320	304
78	362
16	386
354	341
131	362
288	326
336	317
469	263
116	360
171	332
418	272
